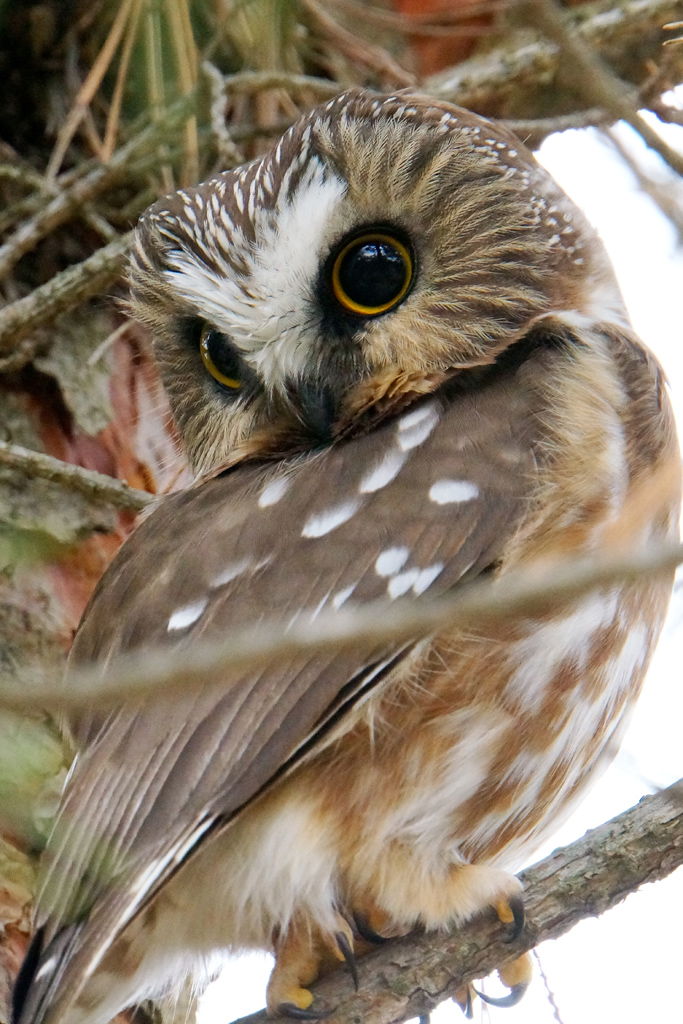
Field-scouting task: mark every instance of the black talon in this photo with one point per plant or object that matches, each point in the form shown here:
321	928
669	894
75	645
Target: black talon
466	1008
296	1013
346	951
513	997
425	1018
366	932
516	905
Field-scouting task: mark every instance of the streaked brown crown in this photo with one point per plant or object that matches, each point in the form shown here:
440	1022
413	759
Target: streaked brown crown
496	244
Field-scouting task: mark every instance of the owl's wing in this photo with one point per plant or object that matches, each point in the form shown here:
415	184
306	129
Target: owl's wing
406	512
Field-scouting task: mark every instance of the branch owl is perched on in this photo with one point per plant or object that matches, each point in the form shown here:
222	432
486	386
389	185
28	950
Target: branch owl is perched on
397	355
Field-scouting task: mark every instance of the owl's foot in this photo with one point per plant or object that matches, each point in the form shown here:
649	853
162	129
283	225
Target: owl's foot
464	998
374	925
299	957
511	911
517	977
344	950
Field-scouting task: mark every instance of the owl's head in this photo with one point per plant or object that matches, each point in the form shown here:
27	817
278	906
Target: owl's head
383	245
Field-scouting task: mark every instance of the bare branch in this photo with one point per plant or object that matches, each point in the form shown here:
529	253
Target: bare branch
667	196
534	131
257	81
357	49
71	287
84	189
96	486
409	977
591	80
517	78
144	673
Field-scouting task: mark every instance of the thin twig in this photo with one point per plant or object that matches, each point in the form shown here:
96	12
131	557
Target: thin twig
356	49
228	153
591	79
255	81
145	673
409	977
518	75
451	21
532	132
96	486
88	90
548	991
83	190
97	353
667	196
67	289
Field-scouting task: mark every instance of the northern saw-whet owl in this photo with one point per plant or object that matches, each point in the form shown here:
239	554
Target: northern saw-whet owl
398	359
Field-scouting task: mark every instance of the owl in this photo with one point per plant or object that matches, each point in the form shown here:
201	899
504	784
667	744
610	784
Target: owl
399	361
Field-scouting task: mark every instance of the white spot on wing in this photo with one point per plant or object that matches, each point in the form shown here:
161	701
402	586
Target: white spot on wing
325	522
230	573
402	583
383	473
339	599
427	577
184	617
273	491
415	427
391	561
46	968
444	492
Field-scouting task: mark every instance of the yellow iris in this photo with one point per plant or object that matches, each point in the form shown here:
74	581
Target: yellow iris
204	343
341	294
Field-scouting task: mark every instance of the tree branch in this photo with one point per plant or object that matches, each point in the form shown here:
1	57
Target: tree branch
96	486
147	672
591	80
84	189
65	290
518	78
409	977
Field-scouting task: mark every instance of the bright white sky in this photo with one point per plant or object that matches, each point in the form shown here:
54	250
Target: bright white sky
626	966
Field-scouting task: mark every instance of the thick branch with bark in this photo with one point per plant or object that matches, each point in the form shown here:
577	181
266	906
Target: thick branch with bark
96	486
409	977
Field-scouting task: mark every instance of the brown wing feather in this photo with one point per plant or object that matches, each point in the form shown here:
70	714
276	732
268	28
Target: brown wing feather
156	778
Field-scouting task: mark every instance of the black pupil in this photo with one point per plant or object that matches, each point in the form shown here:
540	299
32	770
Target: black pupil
372	273
223	355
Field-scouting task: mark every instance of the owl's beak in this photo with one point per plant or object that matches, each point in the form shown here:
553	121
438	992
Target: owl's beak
317	407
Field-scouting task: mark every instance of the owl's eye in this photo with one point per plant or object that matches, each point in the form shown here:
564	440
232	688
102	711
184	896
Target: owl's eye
219	357
372	273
